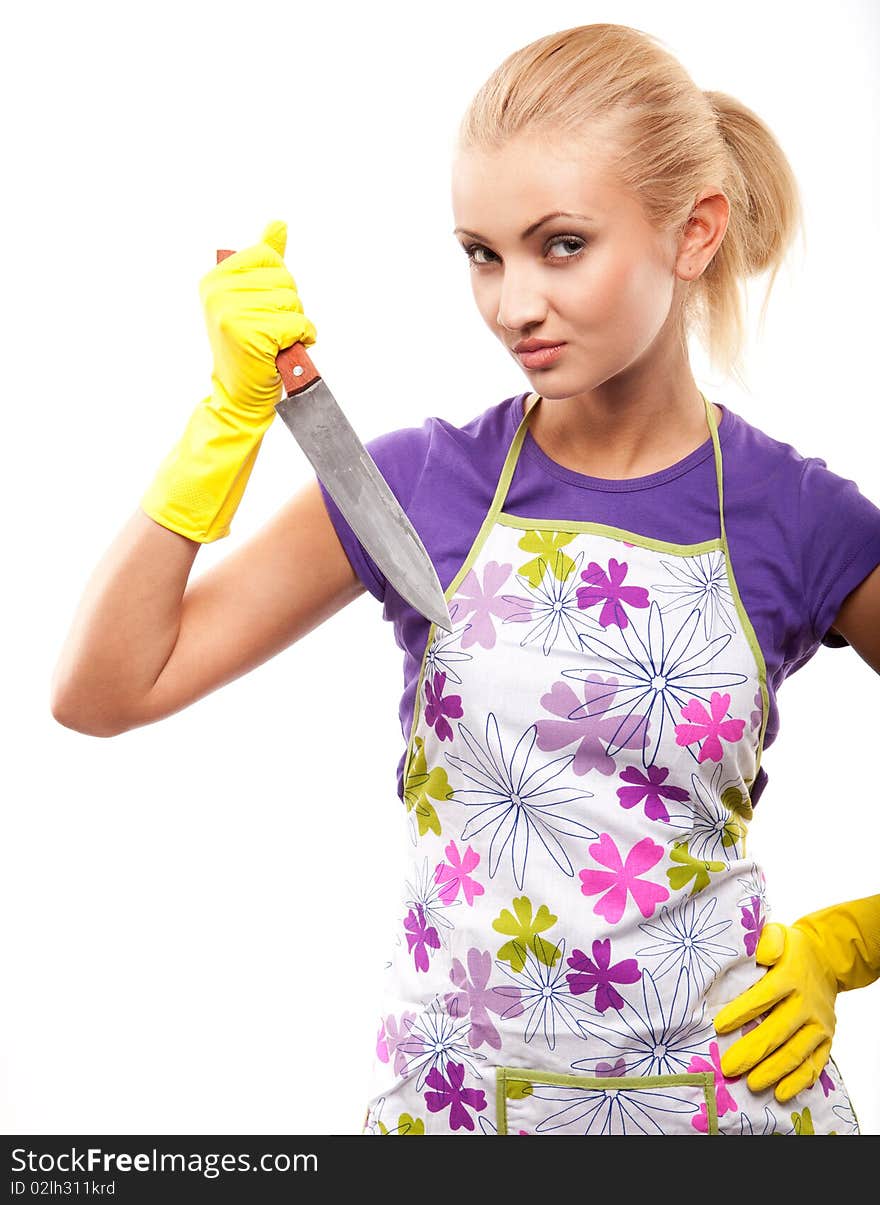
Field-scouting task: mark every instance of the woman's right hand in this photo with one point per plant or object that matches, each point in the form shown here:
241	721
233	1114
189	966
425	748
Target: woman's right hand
252	311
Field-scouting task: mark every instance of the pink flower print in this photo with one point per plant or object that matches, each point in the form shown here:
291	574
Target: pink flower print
595	732
451	1095
476	998
456	874
381	1044
622	878
419	937
724	1102
598	973
752	920
708	728
650	789
482	603
756	716
607	587
438	707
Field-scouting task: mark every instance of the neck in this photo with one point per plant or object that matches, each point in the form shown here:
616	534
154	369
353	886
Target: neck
616	435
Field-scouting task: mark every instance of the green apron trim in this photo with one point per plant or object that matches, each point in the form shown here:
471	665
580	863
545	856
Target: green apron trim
510	1082
602	529
748	630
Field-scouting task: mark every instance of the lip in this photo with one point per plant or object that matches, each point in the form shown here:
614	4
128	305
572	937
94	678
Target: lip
541	356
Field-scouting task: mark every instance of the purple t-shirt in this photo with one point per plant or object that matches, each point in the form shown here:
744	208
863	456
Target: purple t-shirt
801	538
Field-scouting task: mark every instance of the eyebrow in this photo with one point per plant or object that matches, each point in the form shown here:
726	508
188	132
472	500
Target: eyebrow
557	213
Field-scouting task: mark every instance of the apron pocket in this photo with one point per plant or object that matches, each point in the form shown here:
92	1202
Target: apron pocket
529	1101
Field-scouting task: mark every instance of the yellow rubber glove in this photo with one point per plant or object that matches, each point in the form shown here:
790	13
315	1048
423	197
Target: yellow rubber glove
252	310
810	961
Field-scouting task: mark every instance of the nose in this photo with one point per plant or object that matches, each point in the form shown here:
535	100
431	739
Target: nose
521	305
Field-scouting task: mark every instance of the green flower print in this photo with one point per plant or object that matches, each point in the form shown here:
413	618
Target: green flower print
524	929
546	544
419	784
803	1122
405	1125
690	867
740	807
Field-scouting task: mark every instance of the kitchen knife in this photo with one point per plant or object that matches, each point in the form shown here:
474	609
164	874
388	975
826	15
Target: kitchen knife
312	414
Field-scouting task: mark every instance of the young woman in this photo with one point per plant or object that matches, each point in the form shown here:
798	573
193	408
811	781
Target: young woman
631	571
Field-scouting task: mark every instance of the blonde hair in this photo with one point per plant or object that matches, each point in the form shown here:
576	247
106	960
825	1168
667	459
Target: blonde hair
666	140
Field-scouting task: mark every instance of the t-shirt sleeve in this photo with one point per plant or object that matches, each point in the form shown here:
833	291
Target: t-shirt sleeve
840	544
400	457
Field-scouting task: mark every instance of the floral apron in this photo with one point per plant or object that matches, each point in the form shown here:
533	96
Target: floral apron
579	902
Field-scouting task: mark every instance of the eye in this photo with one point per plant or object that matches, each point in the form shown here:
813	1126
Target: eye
572	240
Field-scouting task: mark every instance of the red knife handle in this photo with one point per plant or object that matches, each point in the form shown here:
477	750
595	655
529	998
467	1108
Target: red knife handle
296	369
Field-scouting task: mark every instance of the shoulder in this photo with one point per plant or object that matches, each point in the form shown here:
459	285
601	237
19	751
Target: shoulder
815	523
757	460
443	450
786	475
485	428
798	490
750	446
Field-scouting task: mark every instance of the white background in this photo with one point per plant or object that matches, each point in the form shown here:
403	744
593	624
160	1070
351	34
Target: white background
196	913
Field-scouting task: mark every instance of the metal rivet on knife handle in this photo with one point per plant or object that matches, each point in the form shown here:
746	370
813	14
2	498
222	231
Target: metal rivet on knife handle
296	369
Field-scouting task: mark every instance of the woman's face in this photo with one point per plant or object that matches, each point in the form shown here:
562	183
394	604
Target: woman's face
601	283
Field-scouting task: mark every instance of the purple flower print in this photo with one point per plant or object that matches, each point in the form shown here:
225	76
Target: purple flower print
618	1068
825	1082
752	920
594	730
477	998
650	788
622	878
456	873
598	973
708	728
396	1035
606	587
419	936
724	1102
756	716
438	707
381	1044
482	603
450	1094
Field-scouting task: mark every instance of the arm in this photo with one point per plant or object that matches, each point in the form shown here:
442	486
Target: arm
143	645
859	619
830	951
826	952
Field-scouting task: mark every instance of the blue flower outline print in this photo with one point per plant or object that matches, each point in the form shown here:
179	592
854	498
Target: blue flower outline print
661	1040
614	1110
684	935
660	671
553	605
442	656
435	1039
542	991
426	893
713	832
703	584
515	804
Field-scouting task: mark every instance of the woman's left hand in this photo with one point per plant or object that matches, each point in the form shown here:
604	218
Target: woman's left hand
792	1043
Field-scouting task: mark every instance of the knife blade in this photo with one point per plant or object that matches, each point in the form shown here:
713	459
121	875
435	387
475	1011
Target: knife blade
313	416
